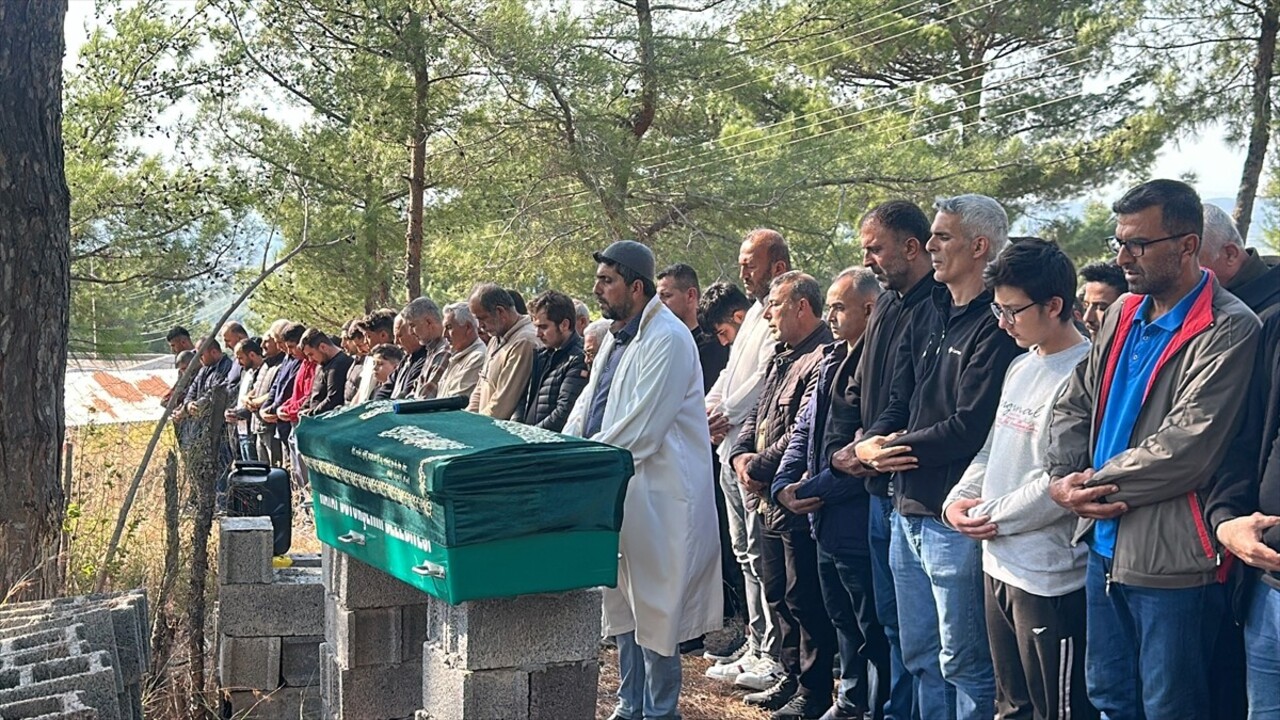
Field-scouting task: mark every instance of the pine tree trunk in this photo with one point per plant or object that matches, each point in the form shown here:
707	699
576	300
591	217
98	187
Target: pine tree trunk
1260	112
34	295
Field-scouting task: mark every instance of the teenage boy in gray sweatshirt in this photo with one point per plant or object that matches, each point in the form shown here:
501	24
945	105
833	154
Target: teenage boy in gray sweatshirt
1033	576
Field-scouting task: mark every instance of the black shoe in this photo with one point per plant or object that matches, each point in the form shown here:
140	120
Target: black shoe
726	653
688	647
776	696
805	706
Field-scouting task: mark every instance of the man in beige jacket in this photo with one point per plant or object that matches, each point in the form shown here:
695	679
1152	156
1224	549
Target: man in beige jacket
513	342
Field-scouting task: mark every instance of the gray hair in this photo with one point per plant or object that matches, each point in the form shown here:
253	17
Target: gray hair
597	329
802	286
980	216
1219	232
184	358
462	313
580	309
277	328
420	307
864	281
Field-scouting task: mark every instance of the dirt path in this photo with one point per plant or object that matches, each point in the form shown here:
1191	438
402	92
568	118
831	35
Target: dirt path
701	699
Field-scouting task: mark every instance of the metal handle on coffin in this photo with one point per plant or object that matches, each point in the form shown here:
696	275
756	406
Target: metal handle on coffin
352	537
429	569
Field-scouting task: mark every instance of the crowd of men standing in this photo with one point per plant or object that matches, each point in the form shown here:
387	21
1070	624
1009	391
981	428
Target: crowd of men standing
987	494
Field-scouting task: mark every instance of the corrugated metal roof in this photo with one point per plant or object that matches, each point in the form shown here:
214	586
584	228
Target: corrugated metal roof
126	396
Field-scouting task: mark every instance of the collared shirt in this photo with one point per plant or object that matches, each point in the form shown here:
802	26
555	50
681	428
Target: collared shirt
1142	349
462	371
428	382
622	336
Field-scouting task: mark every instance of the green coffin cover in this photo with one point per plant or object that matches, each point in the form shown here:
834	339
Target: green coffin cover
456	478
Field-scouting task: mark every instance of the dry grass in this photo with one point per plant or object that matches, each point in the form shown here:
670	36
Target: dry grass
701	698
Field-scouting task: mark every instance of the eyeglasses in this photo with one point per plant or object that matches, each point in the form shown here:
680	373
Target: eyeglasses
1009	315
1138	246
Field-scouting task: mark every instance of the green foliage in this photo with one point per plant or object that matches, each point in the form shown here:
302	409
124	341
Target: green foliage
553	128
152	225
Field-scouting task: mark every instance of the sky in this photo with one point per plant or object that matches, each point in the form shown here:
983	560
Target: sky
1216	165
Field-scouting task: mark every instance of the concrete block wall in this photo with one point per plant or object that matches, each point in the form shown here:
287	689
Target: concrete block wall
77	657
374	628
270	625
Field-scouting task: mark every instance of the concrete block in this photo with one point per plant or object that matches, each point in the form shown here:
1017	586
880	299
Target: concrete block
300	660
328	683
370	636
374	692
89	674
131	702
96	627
453	693
292	605
64	706
564	692
418	624
244	550
358	585
43	645
304	560
286	703
525	631
129	638
246	663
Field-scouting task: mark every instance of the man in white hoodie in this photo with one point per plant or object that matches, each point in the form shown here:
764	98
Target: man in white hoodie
1033	575
763	256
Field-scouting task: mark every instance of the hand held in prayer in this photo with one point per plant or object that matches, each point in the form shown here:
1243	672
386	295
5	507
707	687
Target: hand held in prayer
1243	537
787	498
1071	493
977	528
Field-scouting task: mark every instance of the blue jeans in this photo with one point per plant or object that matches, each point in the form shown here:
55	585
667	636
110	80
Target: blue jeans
850	601
902	692
650	683
942	623
1262	652
1147	650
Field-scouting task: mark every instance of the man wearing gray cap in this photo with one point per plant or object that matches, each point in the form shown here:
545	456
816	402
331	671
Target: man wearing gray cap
645	395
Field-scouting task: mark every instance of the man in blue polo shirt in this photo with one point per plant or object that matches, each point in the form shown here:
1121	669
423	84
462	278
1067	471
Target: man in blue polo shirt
1135	439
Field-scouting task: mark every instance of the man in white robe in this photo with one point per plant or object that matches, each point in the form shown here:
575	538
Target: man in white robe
645	395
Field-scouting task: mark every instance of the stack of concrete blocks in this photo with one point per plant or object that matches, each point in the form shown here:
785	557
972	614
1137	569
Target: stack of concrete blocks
375	627
533	657
74	658
391	650
270	625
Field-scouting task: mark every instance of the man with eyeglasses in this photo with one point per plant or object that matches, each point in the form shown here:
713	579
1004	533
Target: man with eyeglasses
946	390
1033	573
1135	440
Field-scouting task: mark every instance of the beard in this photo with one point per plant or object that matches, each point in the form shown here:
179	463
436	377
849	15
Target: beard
621	311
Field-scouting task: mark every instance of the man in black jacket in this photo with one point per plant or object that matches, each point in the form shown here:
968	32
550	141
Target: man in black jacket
893	239
790	568
940	410
559	368
332	365
1244	510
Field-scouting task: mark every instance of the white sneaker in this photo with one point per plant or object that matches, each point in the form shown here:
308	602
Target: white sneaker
729	672
761	675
